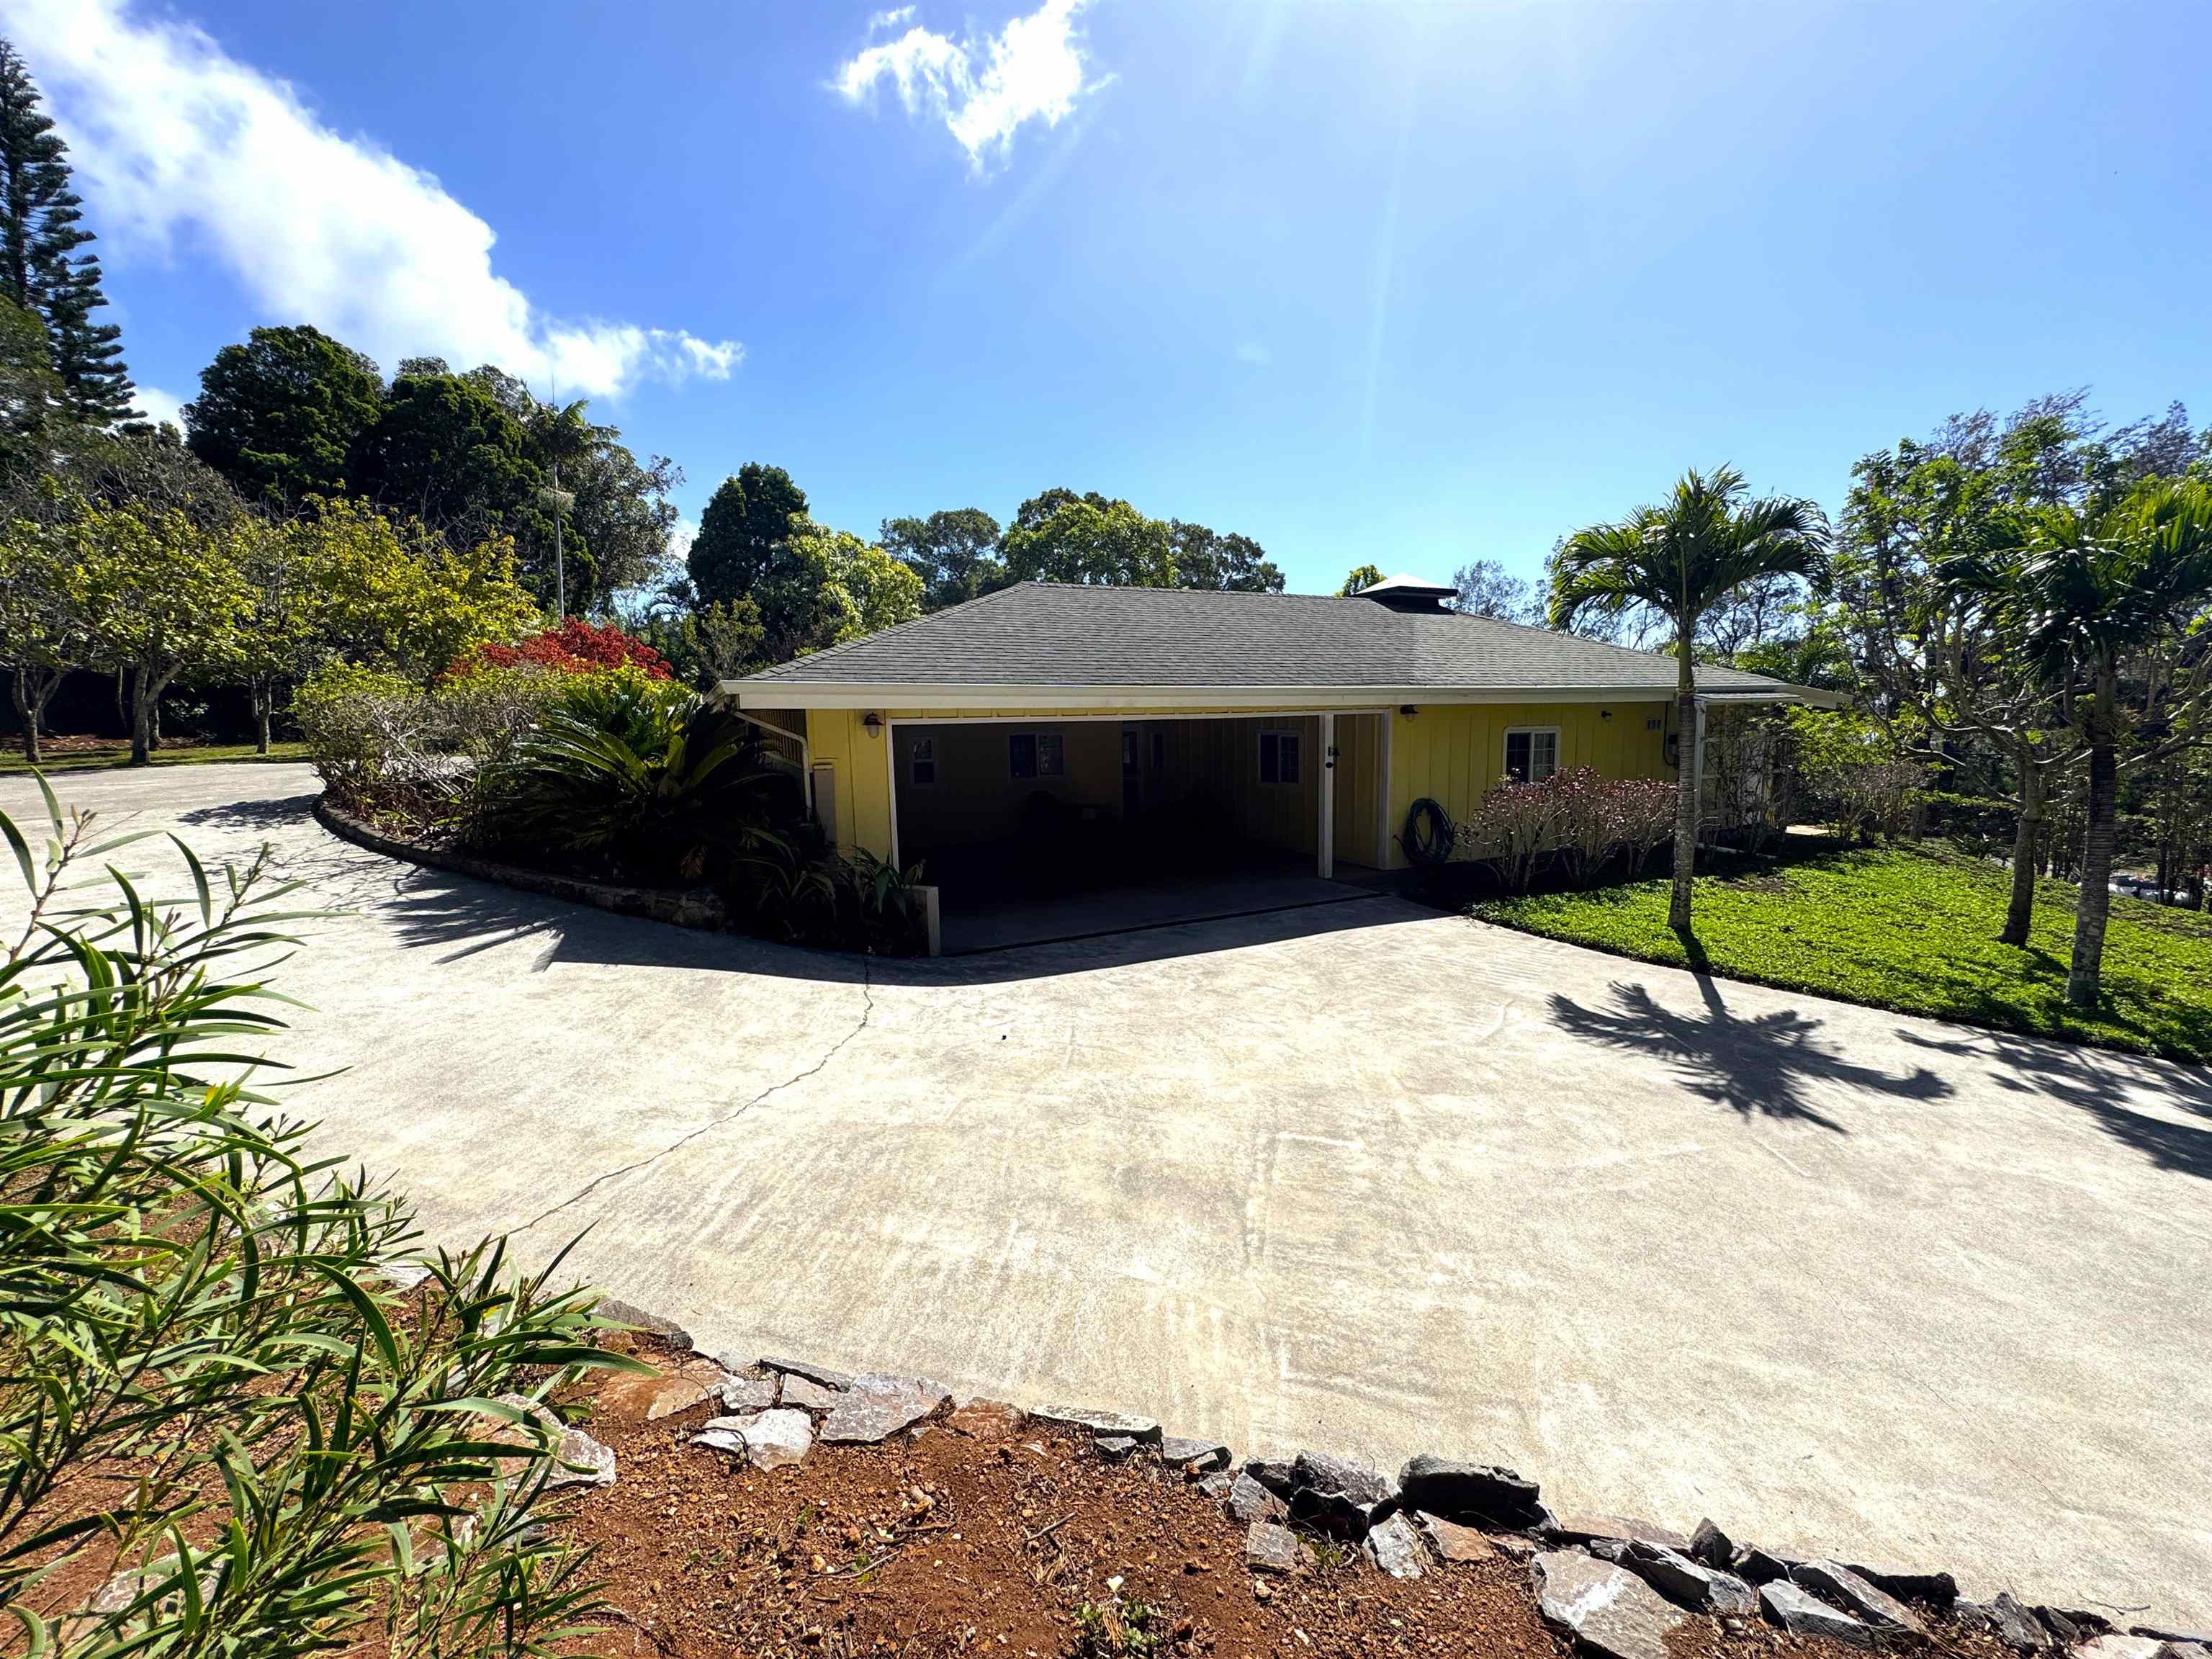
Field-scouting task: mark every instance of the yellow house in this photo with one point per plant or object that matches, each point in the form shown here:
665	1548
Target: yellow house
1047	731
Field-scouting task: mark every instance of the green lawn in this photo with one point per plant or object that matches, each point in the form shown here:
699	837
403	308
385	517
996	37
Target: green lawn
100	759
1912	928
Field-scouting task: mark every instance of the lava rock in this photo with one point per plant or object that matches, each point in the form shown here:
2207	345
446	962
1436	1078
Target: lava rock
1471	1494
1250	1501
2017	1627
804	1394
1339	1497
1689	1583
876	1407
1835	1583
1620	1529
820	1375
1608	1611
579	1460
1802	1613
746	1393
1938	1589
1710	1545
1102	1422
768	1440
1272	1547
1276	1477
1456	1543
2071	1624
1757	1566
1396	1548
1116	1448
1218	1484
1194	1457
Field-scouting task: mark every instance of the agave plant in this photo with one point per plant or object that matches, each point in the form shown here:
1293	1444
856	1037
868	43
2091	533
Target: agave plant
641	778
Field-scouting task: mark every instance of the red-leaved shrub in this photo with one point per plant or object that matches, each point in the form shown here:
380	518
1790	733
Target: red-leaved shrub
574	647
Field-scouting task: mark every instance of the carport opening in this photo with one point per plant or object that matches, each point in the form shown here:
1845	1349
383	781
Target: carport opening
1056	828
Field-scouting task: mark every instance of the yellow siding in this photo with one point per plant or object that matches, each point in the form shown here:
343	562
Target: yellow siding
1454	752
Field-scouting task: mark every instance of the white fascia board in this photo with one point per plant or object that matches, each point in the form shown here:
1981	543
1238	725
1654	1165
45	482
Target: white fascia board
750	694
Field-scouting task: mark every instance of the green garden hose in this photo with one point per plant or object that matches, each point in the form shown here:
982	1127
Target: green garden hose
1429	834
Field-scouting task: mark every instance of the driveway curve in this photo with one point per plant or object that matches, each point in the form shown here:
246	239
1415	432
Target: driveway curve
1364	1178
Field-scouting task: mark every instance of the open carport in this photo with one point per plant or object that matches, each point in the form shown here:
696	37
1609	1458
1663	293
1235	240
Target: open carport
1037	828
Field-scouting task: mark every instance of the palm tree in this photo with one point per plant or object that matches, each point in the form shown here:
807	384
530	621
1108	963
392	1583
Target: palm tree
1680	558
2094	591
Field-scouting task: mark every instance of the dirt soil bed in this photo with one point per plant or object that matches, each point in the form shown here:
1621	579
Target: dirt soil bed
986	1534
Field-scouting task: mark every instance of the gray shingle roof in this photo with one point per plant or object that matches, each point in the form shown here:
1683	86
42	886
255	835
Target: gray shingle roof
1051	634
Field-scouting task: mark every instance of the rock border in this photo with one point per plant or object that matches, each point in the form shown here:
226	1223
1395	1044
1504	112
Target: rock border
1615	1584
688	908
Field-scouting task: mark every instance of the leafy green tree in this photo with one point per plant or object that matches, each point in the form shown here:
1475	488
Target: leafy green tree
825	586
400	597
167	596
280	415
446	451
1061	536
1224	562
41	268
2115	609
44	623
703	648
955	553
276	641
746	523
1486	588
1361	578
1677	560
36	431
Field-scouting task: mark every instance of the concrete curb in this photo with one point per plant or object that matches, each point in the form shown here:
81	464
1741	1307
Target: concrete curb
692	908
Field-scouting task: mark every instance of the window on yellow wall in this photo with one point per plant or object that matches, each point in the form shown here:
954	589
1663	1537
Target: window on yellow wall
1279	757
1532	753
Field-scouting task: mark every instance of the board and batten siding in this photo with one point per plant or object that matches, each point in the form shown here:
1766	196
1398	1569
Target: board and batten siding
1452	752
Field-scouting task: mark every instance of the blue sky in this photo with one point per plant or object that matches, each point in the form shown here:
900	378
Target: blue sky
1404	285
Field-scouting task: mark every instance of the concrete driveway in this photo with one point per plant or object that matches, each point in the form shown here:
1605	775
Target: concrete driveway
1363	1177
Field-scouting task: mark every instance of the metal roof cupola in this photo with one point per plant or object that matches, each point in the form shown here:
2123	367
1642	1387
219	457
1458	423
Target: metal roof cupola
1411	594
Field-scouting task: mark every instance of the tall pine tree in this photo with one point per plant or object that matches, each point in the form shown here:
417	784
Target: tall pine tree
41	268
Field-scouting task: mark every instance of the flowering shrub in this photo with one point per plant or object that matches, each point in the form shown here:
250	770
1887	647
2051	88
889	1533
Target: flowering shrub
574	647
1587	819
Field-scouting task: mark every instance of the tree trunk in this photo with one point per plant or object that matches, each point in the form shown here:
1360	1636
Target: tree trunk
2089	916
2020	914
263	696
146	689
1685	795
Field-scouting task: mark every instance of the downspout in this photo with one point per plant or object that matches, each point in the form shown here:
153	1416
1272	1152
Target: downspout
806	756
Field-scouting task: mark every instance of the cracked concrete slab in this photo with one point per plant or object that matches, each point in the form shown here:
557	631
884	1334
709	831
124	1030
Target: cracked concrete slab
1366	1179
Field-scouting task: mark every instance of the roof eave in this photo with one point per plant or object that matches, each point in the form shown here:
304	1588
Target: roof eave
757	693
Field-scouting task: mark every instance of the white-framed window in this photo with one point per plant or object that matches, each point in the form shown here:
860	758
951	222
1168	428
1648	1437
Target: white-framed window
1035	755
1532	752
1279	757
922	762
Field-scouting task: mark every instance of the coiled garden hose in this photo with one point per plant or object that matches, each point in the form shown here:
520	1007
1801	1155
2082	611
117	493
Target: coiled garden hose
1428	834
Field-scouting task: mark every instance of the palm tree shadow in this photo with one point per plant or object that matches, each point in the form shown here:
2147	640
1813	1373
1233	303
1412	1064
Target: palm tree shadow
1759	1066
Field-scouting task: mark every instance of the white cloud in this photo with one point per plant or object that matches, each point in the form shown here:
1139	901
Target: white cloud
172	135
681	535
160	406
984	88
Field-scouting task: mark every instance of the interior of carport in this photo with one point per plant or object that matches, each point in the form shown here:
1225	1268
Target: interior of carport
1043	829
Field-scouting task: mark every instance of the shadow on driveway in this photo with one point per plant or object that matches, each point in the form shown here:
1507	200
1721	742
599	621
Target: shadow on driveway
1756	1066
2097	1084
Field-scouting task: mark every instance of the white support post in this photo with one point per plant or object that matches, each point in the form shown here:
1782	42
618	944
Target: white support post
1325	862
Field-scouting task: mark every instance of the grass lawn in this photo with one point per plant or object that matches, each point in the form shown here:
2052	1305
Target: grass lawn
102	756
1912	928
